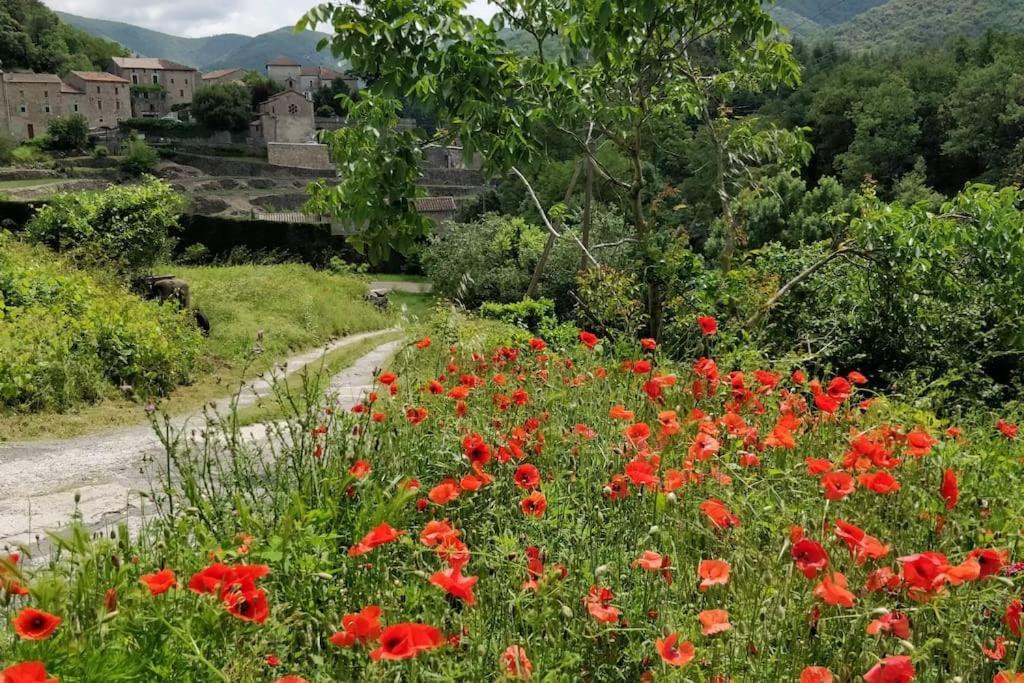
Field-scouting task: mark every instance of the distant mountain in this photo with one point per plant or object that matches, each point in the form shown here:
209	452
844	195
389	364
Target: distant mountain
895	24
212	52
915	23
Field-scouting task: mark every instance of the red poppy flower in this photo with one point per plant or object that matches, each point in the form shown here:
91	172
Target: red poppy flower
713	573
810	557
708	325
34	624
527	476
950	489
648	344
924	571
361	627
619	412
272	661
714	621
444	493
1008	677
816	466
896	623
989	561
861	545
387	378
718	514
816	674
246	603
1009	430
471	482
415	415
641	473
598	601
832	591
405	641
919	443
534	504
1012	617
380	535
637	433
998	651
651	561
476	449
436	531
359	469
894	669
672	653
159	582
837	485
291	678
516	664
455	584
589	339
880	482
26	672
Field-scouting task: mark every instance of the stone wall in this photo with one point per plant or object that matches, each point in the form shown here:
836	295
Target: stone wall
297	155
243	168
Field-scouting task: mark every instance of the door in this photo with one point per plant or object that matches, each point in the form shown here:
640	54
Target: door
31	131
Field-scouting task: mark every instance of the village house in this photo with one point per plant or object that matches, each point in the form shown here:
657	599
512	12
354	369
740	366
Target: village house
158	86
101	97
30	102
307	80
223	77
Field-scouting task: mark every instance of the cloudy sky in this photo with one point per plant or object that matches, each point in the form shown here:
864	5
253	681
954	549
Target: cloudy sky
196	18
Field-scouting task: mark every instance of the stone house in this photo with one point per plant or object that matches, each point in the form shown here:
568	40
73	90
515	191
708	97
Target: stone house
103	98
285	117
223	77
30	102
307	80
158	86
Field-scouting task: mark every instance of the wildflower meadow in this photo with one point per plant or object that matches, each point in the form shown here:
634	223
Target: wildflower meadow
504	508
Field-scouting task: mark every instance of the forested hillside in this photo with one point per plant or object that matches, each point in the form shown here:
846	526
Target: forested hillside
210	52
33	38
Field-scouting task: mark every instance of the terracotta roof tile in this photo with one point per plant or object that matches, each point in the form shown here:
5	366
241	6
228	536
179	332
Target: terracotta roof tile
102	76
435	204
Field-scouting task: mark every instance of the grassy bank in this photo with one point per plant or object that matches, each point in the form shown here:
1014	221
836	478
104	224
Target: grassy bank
259	316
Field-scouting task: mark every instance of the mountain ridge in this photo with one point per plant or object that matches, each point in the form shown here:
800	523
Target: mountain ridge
210	52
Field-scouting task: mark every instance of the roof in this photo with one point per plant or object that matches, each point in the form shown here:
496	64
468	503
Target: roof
290	91
98	76
435	204
66	89
149	63
31	78
220	73
281	60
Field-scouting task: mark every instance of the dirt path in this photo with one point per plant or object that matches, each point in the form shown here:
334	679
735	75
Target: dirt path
40	480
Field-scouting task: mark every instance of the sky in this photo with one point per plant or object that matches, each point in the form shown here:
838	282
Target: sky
196	18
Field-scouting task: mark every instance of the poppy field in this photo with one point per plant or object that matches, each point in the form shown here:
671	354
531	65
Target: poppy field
505	508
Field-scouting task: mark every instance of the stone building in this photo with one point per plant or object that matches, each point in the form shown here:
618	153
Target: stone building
307	80
158	86
223	76
103	98
30	102
285	117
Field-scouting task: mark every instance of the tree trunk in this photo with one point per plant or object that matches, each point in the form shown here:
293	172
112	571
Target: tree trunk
542	262
587	212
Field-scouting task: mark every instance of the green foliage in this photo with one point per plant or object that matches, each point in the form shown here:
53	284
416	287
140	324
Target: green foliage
334	97
8	143
28	155
100	152
224	106
32	37
163	127
195	255
125	228
68	133
139	159
68	338
261	88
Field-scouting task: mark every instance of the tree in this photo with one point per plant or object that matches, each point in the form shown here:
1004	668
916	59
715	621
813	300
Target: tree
615	66
69	132
335	97
886	135
224	106
260	87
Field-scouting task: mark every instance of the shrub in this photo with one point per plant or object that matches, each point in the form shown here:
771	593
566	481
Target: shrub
139	159
324	111
67	338
7	146
195	255
101	152
26	155
68	133
126	228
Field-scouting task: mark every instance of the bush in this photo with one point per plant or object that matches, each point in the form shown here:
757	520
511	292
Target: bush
224	106
27	155
139	159
101	152
163	127
68	133
7	146
195	255
324	111
67	338
126	228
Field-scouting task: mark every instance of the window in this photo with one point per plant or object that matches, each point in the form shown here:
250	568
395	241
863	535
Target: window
99	104
156	79
46	109
97	90
117	105
22	108
293	109
116	90
152	107
135	79
172	81
46	94
182	93
74	107
186	81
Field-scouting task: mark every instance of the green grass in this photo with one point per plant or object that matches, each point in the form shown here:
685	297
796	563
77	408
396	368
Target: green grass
397	277
36	182
291	307
417	306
